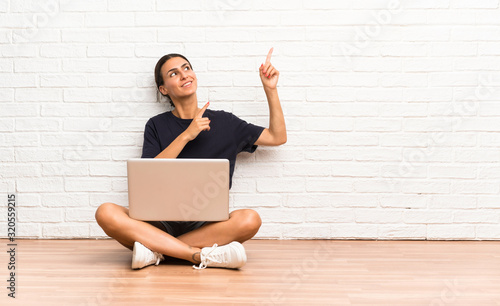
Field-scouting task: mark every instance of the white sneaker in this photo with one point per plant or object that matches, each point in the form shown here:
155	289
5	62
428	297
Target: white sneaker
230	256
143	256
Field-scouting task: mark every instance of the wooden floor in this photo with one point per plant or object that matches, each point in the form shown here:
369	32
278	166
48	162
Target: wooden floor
303	272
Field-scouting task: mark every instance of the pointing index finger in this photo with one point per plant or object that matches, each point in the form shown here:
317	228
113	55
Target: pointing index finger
200	114
268	58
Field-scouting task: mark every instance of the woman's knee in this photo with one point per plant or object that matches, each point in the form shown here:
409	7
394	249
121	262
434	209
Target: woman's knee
249	222
106	214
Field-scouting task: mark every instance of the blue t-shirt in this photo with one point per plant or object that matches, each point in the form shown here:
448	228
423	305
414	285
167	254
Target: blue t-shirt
228	136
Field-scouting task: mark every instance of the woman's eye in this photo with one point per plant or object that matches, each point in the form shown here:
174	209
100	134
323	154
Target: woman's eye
173	74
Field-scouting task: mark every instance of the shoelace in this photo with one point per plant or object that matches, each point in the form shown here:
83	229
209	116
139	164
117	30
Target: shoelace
159	257
206	259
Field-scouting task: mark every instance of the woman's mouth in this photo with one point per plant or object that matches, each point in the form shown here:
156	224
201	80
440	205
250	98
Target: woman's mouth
187	84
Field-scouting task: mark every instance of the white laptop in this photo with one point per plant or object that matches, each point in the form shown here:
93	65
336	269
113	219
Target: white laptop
166	189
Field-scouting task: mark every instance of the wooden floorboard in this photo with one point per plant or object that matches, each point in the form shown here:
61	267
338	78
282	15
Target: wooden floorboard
278	272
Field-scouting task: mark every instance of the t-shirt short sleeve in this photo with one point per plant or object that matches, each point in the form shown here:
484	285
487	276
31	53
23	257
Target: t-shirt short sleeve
245	134
151	147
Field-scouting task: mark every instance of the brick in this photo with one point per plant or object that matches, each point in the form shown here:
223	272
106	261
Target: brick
269	231
7	155
86	152
64	110
298	231
79	215
119	185
37	124
427	217
87	95
35	184
87	6
328	154
378	215
63	80
33	155
307	169
319	216
130	35
459	232
18	80
65	50
110	50
85	65
130	6
65	199
452	172
20	110
157	19
307	200
281	185
28	230
280	215
7	95
476	155
28	139
18	169
58	230
6	65
18	50
403	110
109	19
38	95
96	199
6	125
354	169
378	154
377	185
87	184
257	169
377	125
65	168
124	153
354	139
404	140
478	216
426	187
328	185
257	200
452	202
84	36
403	201
329	124
40	215
475	187
242	185
488	232
107	169
354	231
402	232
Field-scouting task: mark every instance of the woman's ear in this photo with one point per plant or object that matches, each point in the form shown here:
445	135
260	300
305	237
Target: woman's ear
163	90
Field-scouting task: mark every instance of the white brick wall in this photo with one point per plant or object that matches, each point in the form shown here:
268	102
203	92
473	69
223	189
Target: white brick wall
392	109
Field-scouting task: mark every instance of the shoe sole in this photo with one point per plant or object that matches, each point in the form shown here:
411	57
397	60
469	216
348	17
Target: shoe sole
134	254
242	256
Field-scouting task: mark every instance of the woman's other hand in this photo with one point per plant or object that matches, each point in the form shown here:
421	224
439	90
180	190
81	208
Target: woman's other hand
268	74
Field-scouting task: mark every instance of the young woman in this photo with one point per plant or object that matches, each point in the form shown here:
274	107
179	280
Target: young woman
192	132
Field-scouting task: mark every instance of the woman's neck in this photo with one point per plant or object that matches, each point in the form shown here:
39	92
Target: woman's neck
186	109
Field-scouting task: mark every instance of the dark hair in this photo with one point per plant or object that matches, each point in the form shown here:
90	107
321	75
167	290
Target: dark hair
159	76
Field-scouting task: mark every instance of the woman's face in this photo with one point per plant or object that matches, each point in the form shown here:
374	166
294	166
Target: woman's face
179	80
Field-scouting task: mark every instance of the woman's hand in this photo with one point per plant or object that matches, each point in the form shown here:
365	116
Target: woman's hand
268	74
198	124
